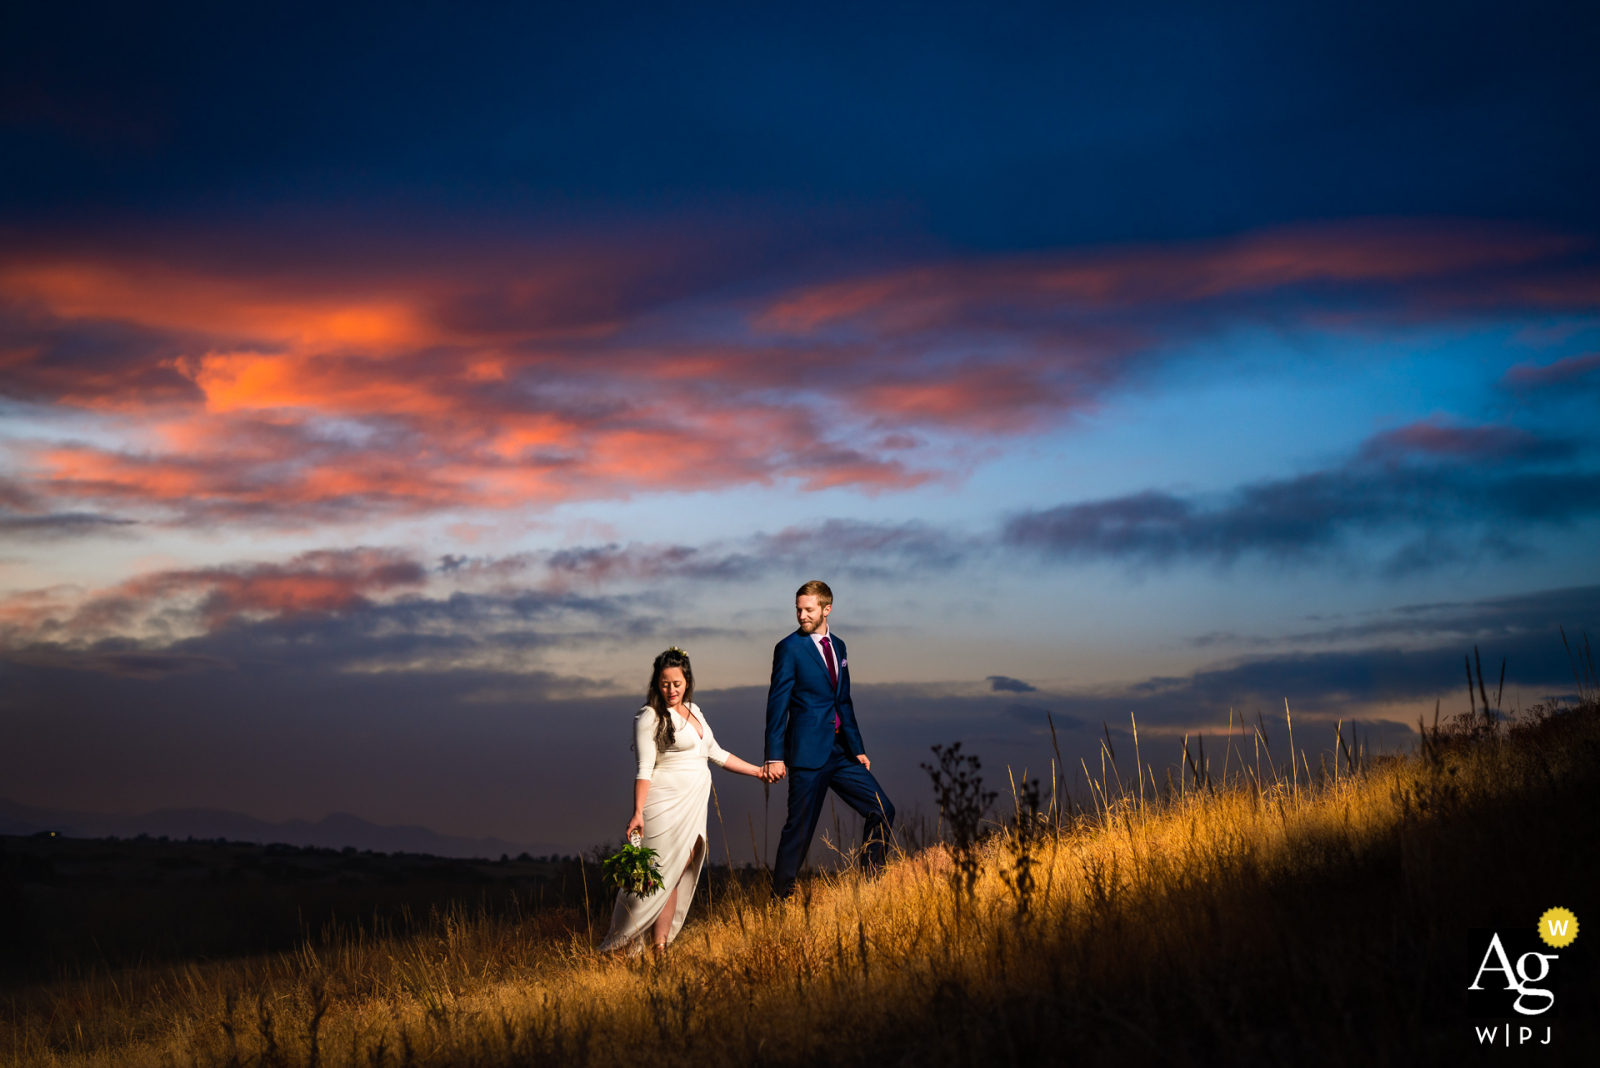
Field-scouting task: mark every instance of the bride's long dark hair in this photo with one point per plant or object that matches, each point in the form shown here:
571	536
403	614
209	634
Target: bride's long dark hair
677	658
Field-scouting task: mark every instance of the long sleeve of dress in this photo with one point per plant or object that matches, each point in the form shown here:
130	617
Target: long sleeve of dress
719	756
644	740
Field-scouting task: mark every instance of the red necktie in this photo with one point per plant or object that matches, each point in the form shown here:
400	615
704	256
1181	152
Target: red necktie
833	673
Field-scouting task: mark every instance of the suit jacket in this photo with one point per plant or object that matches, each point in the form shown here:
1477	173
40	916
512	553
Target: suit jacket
802	701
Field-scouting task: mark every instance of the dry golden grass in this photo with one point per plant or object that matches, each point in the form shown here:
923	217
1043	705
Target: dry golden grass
1248	922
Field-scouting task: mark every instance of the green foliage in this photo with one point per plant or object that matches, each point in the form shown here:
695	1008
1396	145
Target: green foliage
632	868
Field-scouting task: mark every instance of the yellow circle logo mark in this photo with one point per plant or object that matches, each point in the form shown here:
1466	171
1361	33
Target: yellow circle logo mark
1558	927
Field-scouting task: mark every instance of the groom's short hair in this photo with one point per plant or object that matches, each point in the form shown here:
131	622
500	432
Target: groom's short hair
816	588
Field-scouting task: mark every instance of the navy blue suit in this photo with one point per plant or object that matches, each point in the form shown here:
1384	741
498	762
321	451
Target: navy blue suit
802	703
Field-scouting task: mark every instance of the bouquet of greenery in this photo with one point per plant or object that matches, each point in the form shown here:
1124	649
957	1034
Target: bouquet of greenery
632	868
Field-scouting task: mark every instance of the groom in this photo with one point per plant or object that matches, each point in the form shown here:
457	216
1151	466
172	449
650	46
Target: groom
812	737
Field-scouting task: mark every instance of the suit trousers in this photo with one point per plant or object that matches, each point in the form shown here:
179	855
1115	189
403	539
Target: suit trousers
808	789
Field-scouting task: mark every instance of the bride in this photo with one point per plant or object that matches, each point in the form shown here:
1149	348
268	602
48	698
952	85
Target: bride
670	794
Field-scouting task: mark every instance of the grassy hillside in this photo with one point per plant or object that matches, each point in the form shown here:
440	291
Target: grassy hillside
1238	919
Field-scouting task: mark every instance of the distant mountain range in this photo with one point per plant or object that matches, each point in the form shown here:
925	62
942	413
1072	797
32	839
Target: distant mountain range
335	831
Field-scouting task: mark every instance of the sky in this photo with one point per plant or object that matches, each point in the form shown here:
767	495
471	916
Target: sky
382	386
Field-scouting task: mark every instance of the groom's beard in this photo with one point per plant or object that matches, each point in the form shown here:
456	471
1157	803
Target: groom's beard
809	629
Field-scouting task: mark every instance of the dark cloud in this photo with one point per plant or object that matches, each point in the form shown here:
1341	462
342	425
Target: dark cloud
118	657
1580	372
866	548
1006	684
836	546
1490	620
51	359
59	525
1436	439
25	516
1452	492
610	563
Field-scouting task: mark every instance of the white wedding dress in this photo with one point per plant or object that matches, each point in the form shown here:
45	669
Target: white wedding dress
674	823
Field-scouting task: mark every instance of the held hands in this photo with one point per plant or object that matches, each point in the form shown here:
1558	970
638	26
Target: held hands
635	824
773	770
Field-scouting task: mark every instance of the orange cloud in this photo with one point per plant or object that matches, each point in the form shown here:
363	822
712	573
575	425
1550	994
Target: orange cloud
293	395
159	296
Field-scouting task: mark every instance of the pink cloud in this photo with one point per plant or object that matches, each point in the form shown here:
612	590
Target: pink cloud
1437	439
1562	372
965	292
489	378
167	604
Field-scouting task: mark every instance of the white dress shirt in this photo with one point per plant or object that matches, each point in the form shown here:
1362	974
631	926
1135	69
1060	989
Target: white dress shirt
816	639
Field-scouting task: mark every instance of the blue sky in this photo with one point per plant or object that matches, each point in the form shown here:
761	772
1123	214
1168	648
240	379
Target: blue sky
389	384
